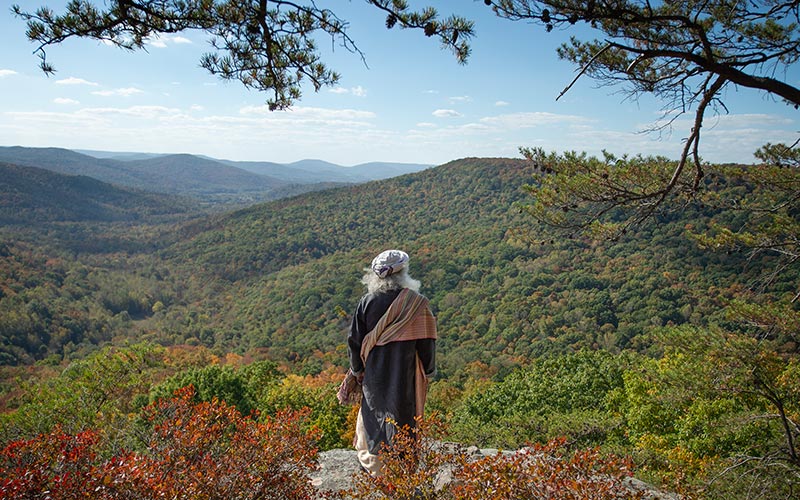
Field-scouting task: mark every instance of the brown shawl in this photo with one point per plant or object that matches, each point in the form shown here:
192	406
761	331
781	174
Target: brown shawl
408	318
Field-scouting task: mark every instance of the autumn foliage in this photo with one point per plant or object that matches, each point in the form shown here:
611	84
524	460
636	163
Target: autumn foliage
54	465
193	450
419	467
547	470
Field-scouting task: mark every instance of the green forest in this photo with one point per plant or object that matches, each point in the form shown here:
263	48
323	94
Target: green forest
670	343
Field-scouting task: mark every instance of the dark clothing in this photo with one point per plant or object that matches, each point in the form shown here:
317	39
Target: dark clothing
388	387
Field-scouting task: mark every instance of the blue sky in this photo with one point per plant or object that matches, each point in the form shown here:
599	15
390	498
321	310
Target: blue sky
413	103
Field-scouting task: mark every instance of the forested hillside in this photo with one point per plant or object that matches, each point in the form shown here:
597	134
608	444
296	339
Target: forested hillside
283	276
185	175
222	183
634	331
504	291
32	195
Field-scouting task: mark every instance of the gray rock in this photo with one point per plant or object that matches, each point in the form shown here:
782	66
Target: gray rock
649	492
336	470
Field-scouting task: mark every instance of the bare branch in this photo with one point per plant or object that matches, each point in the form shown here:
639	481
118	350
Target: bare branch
583	70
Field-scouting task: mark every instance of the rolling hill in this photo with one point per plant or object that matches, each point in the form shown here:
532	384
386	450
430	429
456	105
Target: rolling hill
460	196
504	289
182	173
280	278
30	195
314	171
207	179
299	172
536	333
173	174
68	162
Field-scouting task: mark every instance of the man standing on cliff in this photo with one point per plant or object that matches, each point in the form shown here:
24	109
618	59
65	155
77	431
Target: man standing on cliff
392	345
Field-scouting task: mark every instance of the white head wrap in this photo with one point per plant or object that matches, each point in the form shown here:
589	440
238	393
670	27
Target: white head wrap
389	262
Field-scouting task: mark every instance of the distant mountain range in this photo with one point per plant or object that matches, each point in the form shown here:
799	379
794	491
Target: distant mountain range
300	172
31	195
207	179
309	171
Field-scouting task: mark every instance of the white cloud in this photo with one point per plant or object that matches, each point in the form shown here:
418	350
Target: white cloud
161	41
451	133
64	100
749	120
748	131
31	123
143	112
157	43
474	127
349	136
726	138
532	119
7	72
461	98
446	113
76	81
734	137
123	92
86	118
308	113
357	91
501	103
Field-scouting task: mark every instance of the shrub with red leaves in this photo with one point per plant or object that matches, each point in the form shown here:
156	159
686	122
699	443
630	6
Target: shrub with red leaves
415	465
545	471
205	450
54	466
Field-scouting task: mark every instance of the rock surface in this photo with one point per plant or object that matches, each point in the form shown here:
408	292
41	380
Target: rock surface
337	468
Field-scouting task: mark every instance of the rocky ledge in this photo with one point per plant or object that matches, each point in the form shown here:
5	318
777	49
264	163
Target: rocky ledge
337	468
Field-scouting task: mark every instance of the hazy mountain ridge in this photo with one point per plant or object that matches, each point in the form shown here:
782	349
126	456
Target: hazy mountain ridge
307	171
119	155
302	171
175	174
207	179
35	195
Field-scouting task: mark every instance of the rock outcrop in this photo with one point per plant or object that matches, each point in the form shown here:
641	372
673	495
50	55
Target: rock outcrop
337	468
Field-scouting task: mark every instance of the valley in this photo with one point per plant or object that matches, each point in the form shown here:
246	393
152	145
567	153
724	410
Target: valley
252	302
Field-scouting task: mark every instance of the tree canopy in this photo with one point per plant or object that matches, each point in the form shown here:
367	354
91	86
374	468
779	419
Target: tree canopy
684	52
267	46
